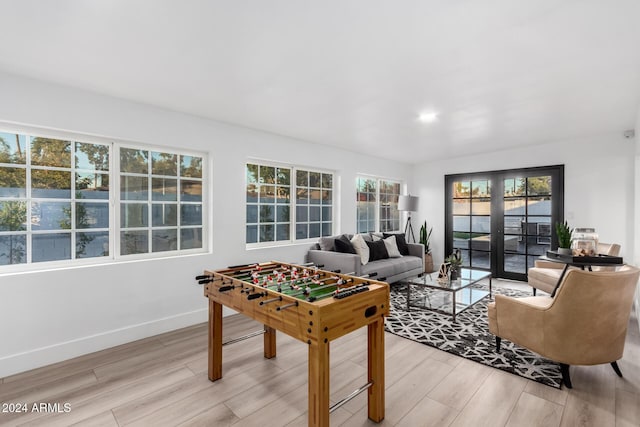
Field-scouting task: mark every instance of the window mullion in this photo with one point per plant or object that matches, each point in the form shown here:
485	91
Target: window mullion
293	204
149	190
114	201
72	219
29	240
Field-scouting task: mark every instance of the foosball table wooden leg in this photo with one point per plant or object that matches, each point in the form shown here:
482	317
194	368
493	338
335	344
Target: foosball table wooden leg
375	359
319	384
215	340
269	342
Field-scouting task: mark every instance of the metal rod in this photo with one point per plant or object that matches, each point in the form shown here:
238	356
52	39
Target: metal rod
284	307
290	283
318	288
244	337
268	301
270	267
288	278
349	397
247	271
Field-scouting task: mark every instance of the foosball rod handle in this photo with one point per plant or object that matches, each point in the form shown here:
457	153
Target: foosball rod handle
284	307
204	276
243	265
269	301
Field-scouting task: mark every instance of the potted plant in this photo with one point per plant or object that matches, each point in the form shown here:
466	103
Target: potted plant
425	237
563	232
455	261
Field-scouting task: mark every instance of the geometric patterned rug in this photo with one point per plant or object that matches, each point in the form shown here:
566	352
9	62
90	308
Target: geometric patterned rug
469	336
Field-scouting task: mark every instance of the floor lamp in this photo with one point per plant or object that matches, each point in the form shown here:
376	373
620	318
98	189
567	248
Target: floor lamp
408	204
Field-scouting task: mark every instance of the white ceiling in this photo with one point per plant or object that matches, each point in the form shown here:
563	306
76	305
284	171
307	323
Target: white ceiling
350	73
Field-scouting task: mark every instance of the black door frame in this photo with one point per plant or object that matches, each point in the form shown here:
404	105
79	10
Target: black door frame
497	178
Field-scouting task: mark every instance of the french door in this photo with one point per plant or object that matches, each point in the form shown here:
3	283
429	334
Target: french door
501	221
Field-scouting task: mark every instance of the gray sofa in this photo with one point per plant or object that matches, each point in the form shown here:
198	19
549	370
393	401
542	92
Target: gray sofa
390	269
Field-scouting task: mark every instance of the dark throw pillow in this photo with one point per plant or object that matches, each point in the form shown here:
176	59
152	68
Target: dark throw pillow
400	241
377	250
343	245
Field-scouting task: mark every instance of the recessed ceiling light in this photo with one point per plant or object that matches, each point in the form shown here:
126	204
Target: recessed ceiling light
428	117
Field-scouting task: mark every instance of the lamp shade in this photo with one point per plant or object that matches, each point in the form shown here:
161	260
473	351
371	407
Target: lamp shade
408	203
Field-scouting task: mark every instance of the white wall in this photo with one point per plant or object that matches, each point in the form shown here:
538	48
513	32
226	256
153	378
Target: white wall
636	232
55	315
599	190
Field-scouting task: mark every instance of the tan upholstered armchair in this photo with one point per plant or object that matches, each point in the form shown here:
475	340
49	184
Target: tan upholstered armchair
585	324
545	274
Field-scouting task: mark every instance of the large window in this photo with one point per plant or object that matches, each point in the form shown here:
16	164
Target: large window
56	198
272	215
377	205
314	204
160	201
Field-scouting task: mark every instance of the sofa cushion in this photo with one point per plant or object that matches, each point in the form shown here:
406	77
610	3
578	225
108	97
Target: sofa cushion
326	243
392	247
361	248
400	241
377	250
407	263
384	267
343	245
367	237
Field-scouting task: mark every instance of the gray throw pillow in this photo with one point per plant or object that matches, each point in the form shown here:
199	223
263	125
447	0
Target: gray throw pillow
327	243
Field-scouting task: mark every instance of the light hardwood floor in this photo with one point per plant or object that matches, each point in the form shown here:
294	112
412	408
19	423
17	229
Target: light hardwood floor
162	380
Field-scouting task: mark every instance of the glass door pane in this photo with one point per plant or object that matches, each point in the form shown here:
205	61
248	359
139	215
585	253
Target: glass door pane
527	216
472	222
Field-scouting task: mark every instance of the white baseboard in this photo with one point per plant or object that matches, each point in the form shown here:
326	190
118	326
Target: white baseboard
20	362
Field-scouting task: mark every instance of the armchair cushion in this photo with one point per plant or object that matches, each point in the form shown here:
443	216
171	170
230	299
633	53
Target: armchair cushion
545	274
545	279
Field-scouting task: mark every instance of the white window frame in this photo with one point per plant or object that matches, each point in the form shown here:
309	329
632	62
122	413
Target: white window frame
149	228
113	200
309	205
378	180
292	204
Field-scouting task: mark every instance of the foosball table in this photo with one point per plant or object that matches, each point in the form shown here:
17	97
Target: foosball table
311	305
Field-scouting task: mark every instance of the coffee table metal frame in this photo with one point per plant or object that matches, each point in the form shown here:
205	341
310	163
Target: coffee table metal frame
468	278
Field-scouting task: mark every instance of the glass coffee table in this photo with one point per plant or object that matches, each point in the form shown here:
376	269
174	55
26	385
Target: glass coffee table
458	294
